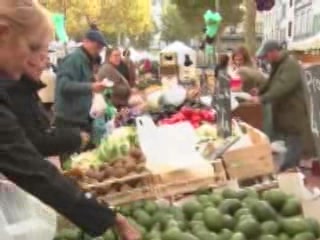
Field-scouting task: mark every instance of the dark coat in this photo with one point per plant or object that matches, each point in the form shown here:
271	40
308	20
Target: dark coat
284	90
23	164
32	117
73	96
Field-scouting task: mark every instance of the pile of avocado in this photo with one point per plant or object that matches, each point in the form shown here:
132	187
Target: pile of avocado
224	215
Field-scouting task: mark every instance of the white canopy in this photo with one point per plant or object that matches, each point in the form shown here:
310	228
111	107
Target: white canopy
181	49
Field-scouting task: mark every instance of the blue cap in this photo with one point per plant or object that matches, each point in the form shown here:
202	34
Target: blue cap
96	36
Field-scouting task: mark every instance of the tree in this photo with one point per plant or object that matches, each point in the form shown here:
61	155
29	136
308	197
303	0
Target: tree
174	26
250	25
192	11
111	16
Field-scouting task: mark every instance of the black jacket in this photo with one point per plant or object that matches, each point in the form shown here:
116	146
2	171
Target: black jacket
31	115
23	164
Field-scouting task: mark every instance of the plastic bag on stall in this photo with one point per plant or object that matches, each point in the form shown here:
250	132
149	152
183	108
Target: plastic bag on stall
98	106
23	216
176	144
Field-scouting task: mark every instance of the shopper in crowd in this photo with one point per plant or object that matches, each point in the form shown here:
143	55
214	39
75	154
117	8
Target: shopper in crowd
32	115
131	66
25	30
241	58
284	90
75	87
121	90
223	64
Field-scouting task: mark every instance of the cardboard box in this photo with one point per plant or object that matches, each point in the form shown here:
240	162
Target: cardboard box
293	184
250	161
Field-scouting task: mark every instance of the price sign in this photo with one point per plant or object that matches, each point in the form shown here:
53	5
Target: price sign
312	93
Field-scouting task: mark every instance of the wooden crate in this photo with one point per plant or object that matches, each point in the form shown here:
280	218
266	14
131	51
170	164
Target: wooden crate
180	184
252	161
123	197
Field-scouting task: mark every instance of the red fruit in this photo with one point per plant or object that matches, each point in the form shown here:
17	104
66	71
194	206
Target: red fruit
207	115
179	116
187	112
196	118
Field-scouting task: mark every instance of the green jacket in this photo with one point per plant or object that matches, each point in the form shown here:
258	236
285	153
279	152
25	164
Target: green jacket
73	88
284	90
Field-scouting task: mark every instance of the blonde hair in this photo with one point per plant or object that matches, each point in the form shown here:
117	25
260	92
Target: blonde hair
25	17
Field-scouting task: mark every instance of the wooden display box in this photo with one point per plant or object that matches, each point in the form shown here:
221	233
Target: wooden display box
122	197
252	161
168	59
179	184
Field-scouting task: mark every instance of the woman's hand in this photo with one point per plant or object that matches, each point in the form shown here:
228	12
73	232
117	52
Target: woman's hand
125	230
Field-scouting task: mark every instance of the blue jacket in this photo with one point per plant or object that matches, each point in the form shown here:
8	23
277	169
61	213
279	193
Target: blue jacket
73	88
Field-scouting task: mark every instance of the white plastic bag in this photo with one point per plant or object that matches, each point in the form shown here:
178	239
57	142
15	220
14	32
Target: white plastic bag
98	106
23	216
171	147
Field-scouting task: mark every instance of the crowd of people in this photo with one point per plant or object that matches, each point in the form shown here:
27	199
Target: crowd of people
25	32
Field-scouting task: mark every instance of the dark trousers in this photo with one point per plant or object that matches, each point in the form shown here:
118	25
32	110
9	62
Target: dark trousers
294	145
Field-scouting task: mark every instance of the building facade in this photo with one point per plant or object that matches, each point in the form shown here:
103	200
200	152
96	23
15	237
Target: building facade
278	23
292	21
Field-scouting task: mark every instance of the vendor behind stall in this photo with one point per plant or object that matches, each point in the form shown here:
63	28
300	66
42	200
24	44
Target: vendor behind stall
284	90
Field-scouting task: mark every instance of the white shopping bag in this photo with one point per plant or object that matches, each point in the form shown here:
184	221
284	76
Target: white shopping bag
170	148
98	106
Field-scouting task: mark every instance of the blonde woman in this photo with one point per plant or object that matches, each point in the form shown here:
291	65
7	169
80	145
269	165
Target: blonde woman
24	31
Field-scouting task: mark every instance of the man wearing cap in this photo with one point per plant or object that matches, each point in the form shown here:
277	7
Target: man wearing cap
284	91
74	83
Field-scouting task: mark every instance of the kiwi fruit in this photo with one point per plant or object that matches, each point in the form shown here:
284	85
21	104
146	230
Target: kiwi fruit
136	153
118	162
119	172
108	171
100	176
130	165
91	173
140	168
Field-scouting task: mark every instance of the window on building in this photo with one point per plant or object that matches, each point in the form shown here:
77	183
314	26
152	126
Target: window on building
291	3
309	21
290	29
302	23
283	10
297	25
316	24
